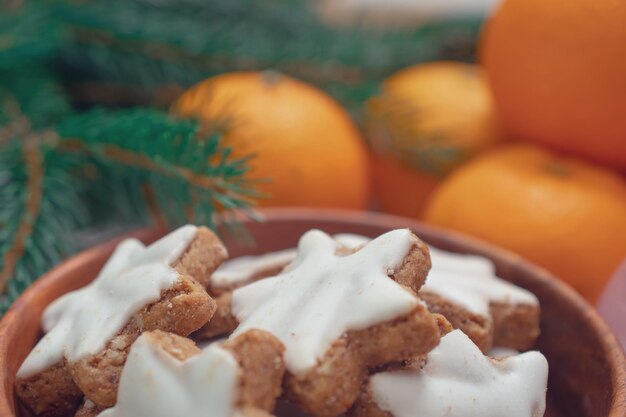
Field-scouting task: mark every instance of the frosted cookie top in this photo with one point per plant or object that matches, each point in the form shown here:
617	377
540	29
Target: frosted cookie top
82	322
469	280
321	296
156	384
459	381
351	240
241	270
462	263
475	292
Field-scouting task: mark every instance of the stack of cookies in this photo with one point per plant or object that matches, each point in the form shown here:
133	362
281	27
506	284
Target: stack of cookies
340	324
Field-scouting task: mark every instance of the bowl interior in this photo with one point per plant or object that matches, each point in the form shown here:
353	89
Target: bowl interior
587	368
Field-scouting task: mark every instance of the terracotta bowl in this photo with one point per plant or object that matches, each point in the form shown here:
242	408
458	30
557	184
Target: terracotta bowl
587	364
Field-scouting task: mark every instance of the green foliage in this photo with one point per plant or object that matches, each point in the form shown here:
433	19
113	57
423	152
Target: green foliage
35	93
62	170
39	209
154	164
152	46
137	164
30	31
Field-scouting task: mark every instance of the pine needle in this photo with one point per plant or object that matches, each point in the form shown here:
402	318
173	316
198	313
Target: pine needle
150	50
186	177
39	209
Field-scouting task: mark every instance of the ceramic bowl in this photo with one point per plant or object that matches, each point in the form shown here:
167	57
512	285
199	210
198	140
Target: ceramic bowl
587	364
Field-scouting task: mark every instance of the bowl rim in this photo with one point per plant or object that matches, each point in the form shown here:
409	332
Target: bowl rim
610	344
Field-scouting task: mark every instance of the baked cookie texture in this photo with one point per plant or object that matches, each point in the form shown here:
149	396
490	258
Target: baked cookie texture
457	380
50	393
240	377
340	313
478	327
341	324
331	387
89	332
182	309
243	271
238	272
463	288
491	311
204	254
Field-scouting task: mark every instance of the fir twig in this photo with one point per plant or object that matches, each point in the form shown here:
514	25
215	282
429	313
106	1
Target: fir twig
30	32
39	209
34	184
140	159
187	177
39	205
158	47
17	124
30	98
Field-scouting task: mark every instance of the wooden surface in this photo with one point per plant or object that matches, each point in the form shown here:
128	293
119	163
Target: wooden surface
587	364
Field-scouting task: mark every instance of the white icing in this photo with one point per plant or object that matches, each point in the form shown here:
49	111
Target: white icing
440	259
459	381
82	322
501	352
455	262
468	280
351	240
475	292
156	384
323	295
241	270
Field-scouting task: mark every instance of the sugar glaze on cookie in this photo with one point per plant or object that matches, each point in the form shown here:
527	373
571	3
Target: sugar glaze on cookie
243	269
475	291
459	381
83	321
351	240
321	295
156	384
471	281
462	263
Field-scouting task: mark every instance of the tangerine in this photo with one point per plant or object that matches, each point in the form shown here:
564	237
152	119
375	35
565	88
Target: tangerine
564	214
301	140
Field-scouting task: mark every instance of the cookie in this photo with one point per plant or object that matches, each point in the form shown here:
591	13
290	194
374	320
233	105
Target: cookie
89	331
182	309
340	315
168	375
238	272
235	273
457	380
506	316
49	393
491	311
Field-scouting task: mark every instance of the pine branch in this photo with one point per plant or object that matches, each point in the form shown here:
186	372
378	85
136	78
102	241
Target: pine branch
167	170
34	93
39	204
30	31
39	209
166	46
138	164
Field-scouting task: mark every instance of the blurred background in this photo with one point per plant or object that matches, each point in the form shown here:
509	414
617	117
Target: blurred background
504	120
